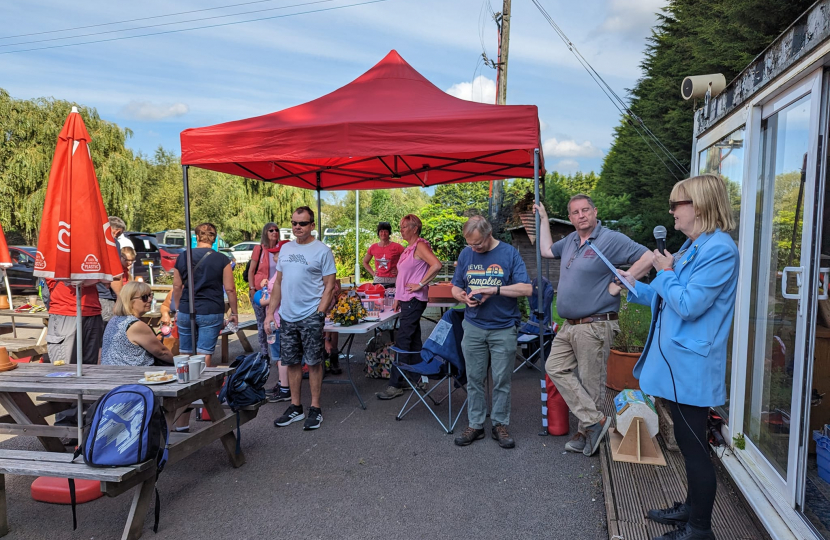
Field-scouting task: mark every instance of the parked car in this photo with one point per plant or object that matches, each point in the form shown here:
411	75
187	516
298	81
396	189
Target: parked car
172	237
241	252
146	251
21	273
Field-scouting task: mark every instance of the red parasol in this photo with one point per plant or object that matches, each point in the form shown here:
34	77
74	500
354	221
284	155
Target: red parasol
5	262
76	242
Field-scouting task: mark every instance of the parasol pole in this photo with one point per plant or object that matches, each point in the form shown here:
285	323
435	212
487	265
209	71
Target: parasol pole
189	252
320	230
79	359
8	289
356	238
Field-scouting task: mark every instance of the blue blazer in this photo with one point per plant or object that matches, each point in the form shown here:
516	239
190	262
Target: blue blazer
693	325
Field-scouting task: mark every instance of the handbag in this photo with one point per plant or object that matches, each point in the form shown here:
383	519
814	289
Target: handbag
379	356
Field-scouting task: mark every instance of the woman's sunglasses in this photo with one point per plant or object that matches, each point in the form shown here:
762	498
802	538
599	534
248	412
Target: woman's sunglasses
144	297
301	223
674	204
273	230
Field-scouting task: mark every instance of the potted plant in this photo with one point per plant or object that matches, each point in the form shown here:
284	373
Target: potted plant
634	323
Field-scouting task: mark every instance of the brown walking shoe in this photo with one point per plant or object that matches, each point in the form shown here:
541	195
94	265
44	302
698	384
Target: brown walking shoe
468	436
500	434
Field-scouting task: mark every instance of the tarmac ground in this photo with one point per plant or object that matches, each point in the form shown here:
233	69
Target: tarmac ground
362	475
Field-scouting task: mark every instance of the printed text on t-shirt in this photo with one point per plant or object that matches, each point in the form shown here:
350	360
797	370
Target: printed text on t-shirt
297	258
478	276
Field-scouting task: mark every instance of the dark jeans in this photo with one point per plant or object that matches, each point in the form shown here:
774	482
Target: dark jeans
408	336
700	472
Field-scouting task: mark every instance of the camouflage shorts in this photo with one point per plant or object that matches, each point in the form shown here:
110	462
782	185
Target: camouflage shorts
302	340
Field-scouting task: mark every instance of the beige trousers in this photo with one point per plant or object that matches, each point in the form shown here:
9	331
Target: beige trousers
577	366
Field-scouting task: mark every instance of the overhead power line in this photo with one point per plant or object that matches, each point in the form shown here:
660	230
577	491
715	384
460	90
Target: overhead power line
164	24
135	20
367	2
633	120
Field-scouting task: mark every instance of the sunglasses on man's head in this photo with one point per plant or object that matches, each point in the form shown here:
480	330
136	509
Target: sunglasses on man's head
674	204
301	223
145	297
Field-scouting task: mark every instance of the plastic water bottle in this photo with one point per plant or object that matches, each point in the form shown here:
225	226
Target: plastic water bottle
272	337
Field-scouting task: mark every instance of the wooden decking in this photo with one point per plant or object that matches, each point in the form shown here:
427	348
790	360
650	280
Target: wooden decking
632	489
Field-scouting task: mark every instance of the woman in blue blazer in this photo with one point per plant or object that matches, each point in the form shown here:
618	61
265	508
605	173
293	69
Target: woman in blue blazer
692	301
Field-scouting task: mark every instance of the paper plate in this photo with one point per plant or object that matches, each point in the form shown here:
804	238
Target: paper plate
145	381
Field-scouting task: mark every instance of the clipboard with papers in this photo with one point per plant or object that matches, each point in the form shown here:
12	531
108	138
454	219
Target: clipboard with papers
611	267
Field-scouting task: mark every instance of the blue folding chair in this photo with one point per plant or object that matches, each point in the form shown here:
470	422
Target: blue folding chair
441	359
529	331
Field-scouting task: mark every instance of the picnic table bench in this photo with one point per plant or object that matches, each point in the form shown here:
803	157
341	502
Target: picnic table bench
22	348
43	316
114	481
246	345
24	418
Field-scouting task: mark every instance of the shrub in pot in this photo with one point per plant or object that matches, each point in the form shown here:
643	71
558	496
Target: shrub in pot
634	322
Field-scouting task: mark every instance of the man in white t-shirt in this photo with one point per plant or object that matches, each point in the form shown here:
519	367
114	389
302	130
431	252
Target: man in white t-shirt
306	271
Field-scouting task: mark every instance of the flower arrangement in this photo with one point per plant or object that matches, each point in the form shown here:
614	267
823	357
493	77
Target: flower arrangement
348	310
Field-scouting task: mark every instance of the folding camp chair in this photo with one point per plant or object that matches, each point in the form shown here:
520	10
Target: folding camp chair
442	359
529	331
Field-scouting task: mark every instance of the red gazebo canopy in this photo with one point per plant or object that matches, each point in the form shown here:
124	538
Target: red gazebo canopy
388	128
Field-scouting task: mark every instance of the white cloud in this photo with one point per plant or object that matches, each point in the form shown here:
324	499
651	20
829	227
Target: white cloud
481	89
543	125
567	166
631	19
144	110
569	148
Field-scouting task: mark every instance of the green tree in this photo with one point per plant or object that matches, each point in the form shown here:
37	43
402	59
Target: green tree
375	206
692	37
443	231
29	131
464	199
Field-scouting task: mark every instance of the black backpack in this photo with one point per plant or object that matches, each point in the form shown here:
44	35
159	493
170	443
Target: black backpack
246	384
248	264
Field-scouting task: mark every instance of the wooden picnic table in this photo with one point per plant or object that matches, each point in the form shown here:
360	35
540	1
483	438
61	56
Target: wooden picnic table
43	316
22	348
27	419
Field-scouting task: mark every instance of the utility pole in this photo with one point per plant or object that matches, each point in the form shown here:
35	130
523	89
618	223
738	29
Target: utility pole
503	22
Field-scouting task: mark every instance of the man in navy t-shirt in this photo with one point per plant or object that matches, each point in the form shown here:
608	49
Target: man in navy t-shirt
489	278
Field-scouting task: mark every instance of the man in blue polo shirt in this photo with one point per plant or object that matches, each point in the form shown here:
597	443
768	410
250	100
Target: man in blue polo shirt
489	278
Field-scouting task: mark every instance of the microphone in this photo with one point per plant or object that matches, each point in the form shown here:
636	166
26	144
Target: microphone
660	236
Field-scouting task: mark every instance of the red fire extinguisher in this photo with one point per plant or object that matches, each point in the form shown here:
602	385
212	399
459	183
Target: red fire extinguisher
557	410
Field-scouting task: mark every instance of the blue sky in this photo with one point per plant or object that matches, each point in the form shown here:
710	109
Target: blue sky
159	85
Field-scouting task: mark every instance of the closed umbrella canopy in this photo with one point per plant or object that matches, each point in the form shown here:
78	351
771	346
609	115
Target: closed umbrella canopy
5	262
75	243
5	257
388	128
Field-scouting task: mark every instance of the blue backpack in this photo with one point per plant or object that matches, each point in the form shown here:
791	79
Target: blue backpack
246	384
127	427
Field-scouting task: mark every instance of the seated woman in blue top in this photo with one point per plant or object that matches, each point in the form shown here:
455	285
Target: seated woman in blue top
692	301
127	340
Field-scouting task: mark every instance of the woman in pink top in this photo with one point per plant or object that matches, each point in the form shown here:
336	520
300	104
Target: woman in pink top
417	266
